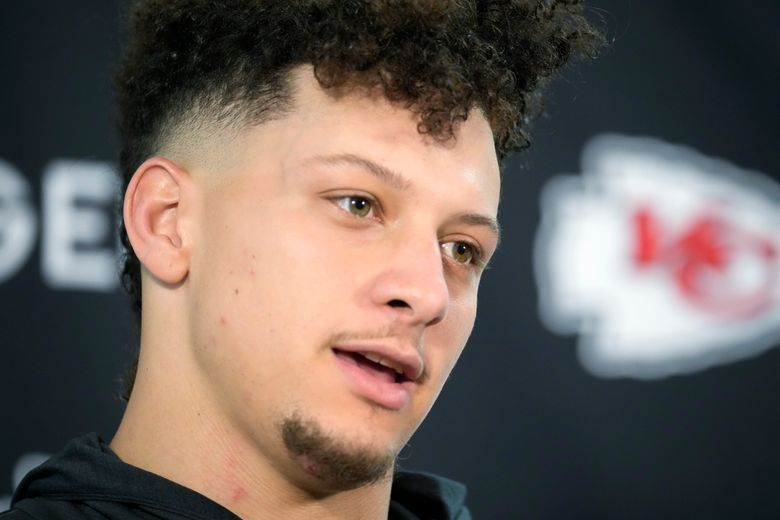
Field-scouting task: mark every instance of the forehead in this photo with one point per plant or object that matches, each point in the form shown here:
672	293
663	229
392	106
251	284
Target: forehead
462	173
331	122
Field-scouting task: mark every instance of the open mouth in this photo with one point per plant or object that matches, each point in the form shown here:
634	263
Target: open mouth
374	367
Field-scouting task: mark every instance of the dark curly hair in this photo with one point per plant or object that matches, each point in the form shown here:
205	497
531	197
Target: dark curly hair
191	63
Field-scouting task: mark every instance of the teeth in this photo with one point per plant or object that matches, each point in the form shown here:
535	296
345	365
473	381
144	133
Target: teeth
380	360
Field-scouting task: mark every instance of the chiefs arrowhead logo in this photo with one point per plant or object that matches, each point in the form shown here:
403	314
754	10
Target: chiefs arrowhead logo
664	261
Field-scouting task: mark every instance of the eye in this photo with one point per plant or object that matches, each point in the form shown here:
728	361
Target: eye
357	205
464	253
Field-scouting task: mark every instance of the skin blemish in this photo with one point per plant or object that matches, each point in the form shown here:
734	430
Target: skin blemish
238	494
222	320
233	486
235	291
308	465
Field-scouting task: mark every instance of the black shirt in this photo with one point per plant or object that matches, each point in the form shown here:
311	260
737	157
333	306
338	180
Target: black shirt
87	480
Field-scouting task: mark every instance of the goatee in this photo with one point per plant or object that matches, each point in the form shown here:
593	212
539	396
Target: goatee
339	466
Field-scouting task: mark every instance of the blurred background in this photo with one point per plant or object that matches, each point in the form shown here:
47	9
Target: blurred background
623	361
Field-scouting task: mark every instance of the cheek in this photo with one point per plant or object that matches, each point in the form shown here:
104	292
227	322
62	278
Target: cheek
446	340
463	312
267	273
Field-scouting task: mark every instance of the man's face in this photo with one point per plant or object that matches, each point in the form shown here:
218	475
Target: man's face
309	262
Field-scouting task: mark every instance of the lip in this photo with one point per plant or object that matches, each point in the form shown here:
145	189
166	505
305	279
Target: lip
408	360
362	381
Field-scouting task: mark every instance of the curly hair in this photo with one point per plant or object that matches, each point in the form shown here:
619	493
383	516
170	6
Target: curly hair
226	63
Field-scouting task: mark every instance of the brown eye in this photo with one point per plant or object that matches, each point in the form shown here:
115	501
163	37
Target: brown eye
463	252
359	206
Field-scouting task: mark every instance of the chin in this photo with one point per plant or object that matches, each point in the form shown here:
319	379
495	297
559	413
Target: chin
333	462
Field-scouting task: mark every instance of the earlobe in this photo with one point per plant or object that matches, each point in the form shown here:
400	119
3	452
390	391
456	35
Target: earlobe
154	219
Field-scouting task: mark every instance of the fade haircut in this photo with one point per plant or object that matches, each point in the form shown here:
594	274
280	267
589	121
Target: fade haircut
224	64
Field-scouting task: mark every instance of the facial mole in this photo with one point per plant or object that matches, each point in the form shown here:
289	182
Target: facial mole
235	291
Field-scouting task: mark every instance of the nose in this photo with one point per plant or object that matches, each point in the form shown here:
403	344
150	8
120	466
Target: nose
412	284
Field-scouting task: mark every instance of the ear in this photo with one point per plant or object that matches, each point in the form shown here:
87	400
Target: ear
154	219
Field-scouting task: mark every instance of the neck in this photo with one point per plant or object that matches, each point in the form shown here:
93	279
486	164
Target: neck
173	427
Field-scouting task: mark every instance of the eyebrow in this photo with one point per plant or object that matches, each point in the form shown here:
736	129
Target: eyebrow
397	181
384	174
475	219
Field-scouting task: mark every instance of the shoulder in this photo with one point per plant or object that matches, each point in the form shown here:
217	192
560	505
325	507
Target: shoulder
39	508
425	495
15	514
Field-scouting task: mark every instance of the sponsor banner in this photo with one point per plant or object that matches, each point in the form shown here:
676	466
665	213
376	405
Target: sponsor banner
662	260
79	246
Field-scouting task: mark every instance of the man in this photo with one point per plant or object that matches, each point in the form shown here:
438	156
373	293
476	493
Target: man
311	191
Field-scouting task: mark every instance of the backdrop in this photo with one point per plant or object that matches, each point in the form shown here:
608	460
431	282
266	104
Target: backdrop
622	365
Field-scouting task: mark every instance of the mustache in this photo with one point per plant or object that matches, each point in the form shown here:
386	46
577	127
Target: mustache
388	331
